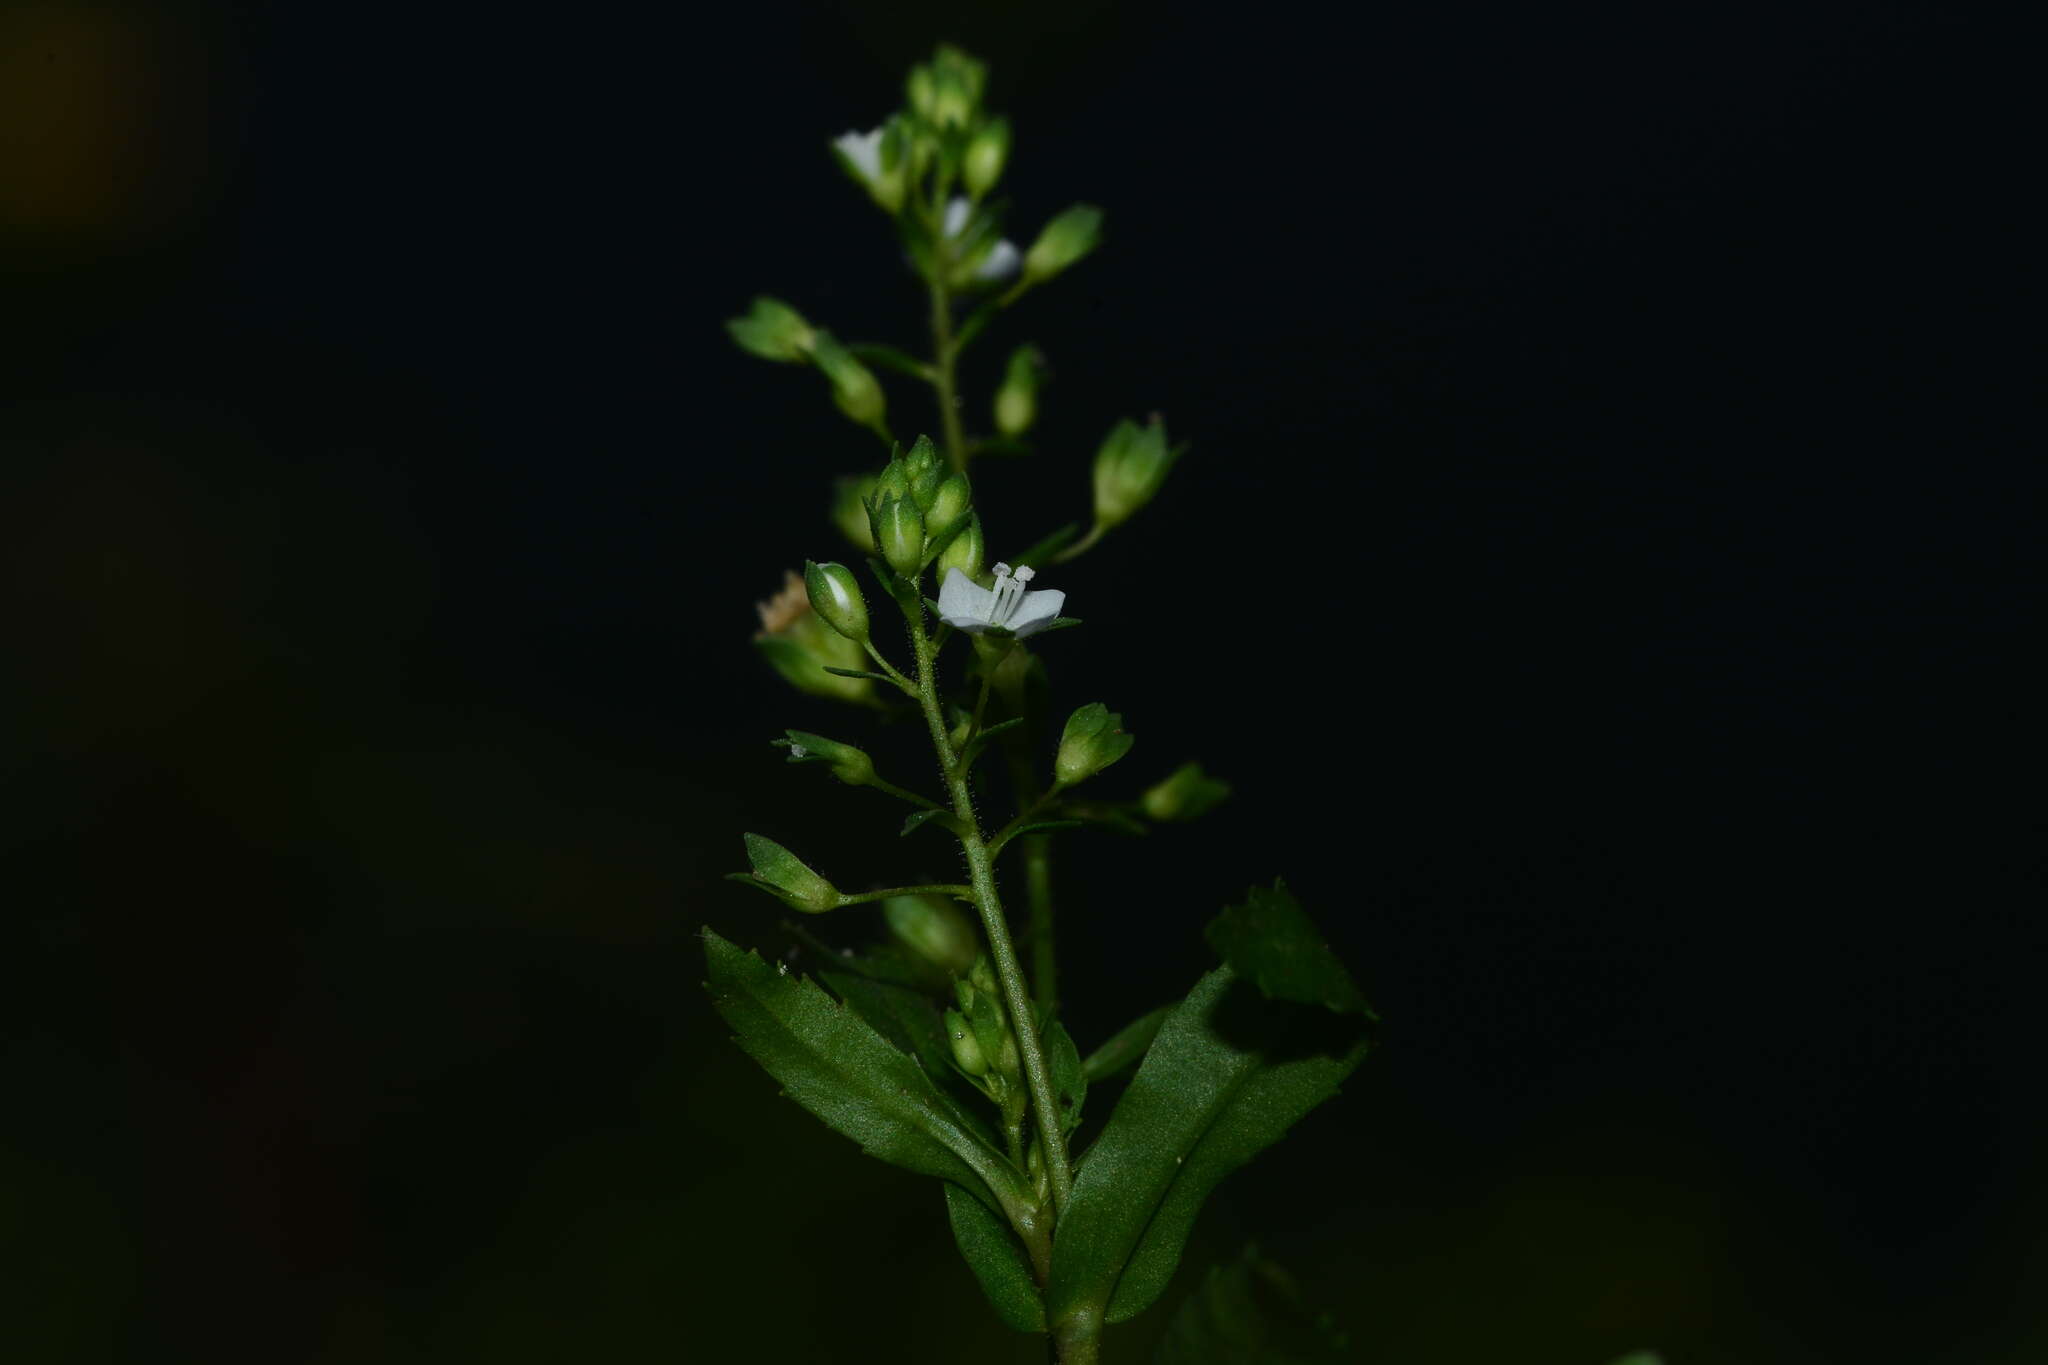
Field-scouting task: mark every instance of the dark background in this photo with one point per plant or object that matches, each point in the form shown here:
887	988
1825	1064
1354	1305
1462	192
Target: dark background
1602	566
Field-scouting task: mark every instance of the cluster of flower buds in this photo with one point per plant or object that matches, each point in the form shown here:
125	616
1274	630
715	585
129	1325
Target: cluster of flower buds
984	1046
798	644
917	512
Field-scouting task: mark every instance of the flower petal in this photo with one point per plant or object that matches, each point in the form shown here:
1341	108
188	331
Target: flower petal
964	604
957	211
863	151
1036	611
1001	263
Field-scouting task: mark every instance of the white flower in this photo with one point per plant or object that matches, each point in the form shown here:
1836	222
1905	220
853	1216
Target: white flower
863	152
966	605
1003	258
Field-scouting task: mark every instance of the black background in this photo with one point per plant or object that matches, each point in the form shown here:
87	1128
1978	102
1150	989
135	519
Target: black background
1603	567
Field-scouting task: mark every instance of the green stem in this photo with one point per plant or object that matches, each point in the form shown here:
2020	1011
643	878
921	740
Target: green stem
901	795
948	889
981	871
945	358
1038	891
1079	1337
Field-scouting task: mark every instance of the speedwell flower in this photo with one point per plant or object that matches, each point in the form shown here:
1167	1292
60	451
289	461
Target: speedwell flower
966	605
875	158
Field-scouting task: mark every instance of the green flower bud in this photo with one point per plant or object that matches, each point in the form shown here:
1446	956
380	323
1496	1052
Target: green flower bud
921	89
966	1049
933	928
1017	399
836	598
849	510
849	765
773	331
899	534
1184	795
982	975
1065	240
964	551
783	875
854	386
1094	739
1129	469
892	482
1008	1060
953	500
987	152
801	647
925	470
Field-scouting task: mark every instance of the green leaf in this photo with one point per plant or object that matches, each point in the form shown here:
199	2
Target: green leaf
1069	1081
1249	1312
833	1063
859	673
998	1261
1270	941
1225	1078
910	1021
1126	1047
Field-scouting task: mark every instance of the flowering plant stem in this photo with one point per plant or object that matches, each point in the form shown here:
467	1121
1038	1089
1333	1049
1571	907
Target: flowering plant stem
982	882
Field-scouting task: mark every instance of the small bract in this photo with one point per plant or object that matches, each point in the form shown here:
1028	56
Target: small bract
966	605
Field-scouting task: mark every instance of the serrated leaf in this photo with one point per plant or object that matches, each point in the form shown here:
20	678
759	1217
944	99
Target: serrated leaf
1249	1312
833	1063
1126	1046
1227	1075
1069	1081
1271	942
998	1261
909	1020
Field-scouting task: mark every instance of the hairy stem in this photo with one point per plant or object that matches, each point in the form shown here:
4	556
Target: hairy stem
981	877
1038	894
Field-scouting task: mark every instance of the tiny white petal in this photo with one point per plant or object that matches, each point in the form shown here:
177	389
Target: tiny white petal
864	150
1000	263
1036	611
964	604
956	215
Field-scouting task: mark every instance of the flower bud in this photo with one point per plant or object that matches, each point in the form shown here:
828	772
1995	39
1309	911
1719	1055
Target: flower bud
966	1050
800	646
1129	469
949	504
783	875
850	765
774	331
964	551
921	90
924	471
849	510
1017	399
933	928
1184	795
987	151
1063	241
892	482
837	600
854	386
899	534
982	976
1094	739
